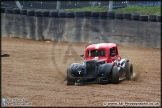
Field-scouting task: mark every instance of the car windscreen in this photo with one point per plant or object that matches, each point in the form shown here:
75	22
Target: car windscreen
96	53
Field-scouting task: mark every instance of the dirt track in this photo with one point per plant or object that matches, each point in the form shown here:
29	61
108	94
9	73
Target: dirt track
35	71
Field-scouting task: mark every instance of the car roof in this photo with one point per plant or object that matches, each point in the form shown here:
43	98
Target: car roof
101	45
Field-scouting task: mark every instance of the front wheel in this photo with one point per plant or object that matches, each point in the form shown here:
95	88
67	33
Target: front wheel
115	75
129	70
69	80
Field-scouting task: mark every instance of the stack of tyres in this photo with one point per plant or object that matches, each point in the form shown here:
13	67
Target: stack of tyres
9	22
102	15
78	23
30	19
87	14
118	16
127	16
23	27
18	22
94	15
38	24
143	18
43	26
111	15
4	21
135	17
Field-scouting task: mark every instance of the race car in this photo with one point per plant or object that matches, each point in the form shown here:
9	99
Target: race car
102	64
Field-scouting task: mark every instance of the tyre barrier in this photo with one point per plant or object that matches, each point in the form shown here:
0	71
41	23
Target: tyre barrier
152	18
9	11
45	13
23	12
143	18
102	15
69	14
53	14
111	14
16	11
4	8
62	14
119	16
87	14
127	16
94	15
158	18
30	12
135	17
37	13
78	14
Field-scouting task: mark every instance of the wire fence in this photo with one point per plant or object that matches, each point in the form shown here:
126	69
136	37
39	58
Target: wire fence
77	4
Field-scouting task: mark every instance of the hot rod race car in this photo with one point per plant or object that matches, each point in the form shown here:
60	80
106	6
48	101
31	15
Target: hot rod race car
102	64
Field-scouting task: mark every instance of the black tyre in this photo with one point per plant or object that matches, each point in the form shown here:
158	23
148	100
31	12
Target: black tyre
37	14
143	17
127	16
78	14
119	16
53	14
102	15
129	70
16	11
70	15
94	14
30	12
69	80
115	75
45	13
62	14
87	14
23	12
152	18
135	17
158	18
9	11
4	8
111	15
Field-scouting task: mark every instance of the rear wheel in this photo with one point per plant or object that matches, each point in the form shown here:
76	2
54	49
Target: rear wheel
129	70
115	75
69	80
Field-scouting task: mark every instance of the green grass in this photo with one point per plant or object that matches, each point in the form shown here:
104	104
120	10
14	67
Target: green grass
152	10
93	9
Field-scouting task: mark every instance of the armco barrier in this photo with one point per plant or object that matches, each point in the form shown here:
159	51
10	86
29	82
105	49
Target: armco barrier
135	32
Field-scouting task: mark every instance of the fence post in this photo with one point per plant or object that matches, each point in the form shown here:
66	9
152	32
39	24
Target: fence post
58	5
18	4
110	6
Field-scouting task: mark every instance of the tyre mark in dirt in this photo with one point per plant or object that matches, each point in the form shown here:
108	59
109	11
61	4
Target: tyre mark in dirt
62	59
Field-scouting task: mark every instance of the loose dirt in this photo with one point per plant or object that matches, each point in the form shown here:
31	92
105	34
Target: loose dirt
35	70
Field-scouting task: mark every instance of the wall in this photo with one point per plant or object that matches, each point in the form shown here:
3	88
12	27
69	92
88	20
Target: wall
121	32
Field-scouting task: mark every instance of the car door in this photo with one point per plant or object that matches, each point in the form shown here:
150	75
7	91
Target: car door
113	54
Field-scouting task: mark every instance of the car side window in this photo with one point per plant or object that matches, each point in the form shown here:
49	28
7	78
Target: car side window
112	52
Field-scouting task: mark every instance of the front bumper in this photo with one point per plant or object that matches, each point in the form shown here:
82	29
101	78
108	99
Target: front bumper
93	80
